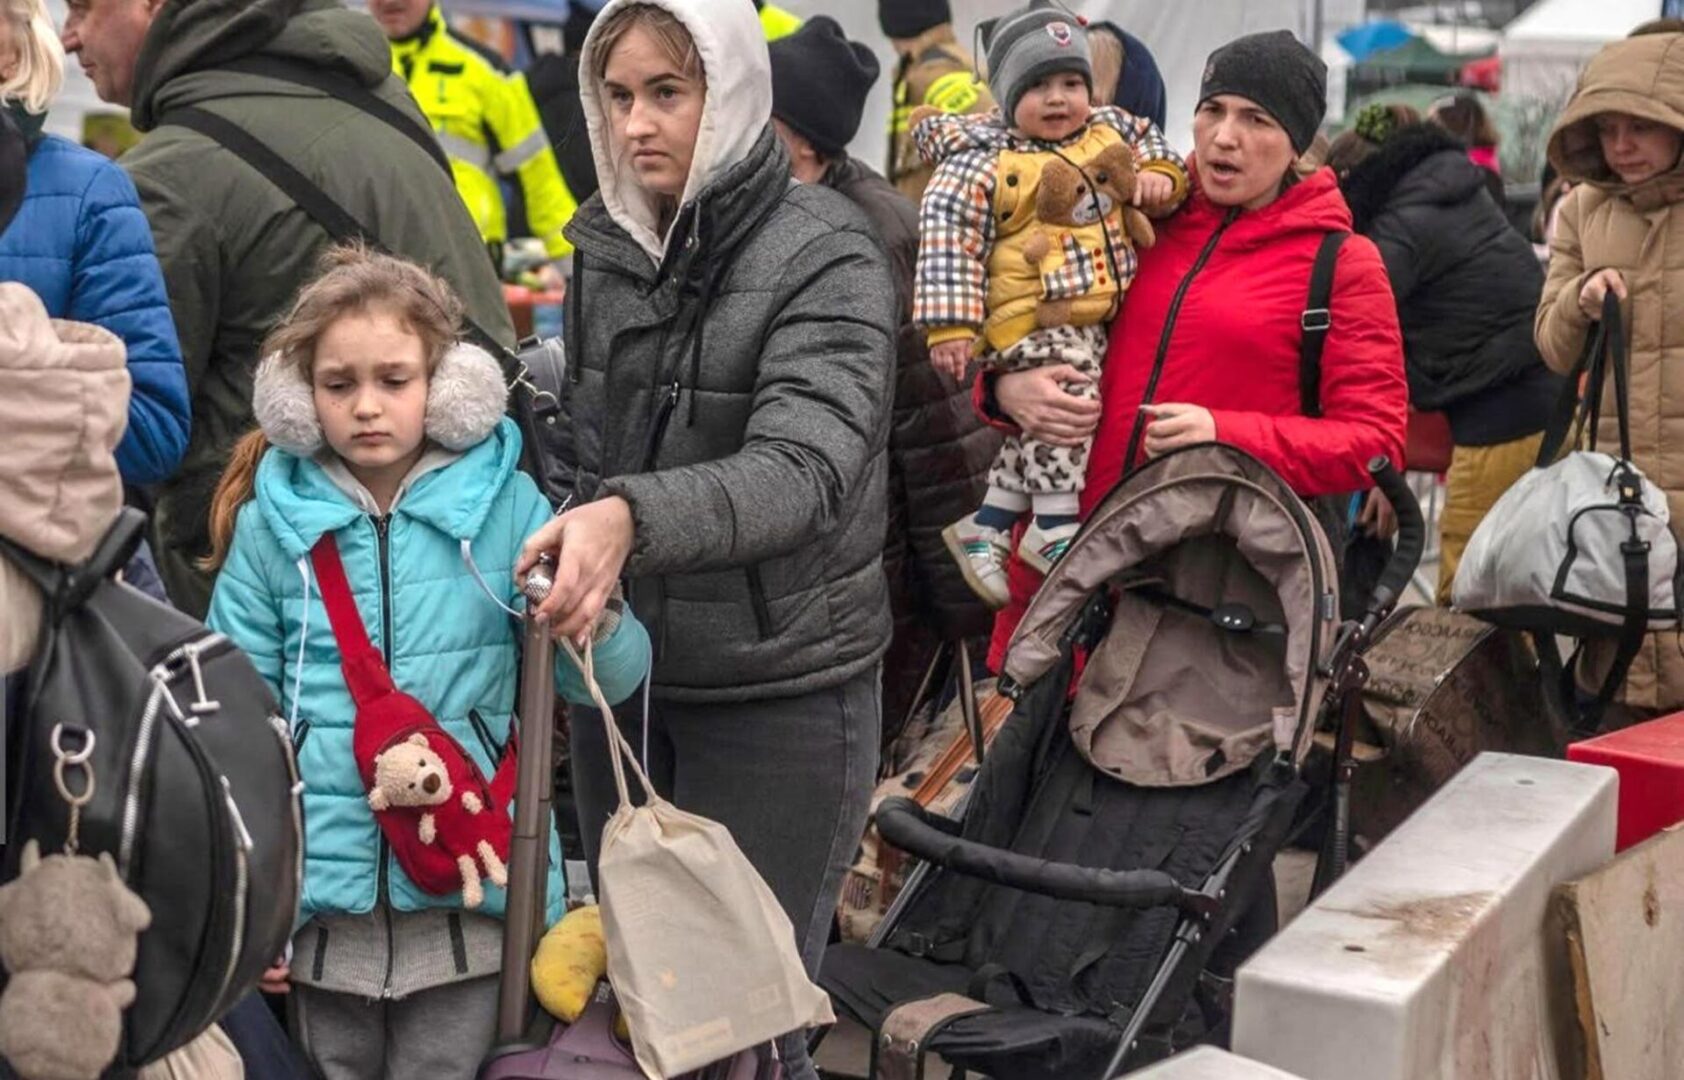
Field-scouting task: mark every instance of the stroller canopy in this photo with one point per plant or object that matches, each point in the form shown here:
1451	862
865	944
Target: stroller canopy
1226	606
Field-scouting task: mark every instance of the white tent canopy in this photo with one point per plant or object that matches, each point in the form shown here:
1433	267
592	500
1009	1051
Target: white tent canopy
1545	48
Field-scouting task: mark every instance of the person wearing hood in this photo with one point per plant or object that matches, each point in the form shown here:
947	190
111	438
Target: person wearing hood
731	347
234	248
64	398
1208	345
78	239
554	81
931	68
1467	286
939	449
1618	142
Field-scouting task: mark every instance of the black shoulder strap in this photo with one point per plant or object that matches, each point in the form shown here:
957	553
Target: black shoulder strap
1316	321
337	85
531	409
309	196
64	586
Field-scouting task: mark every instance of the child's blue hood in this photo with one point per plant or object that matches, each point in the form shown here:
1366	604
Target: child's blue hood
300	502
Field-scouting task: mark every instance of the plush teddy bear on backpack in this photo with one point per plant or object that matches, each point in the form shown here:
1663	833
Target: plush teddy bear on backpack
68	937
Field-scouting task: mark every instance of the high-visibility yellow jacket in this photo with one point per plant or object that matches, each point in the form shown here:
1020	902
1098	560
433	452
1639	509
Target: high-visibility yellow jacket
489	126
777	22
933	70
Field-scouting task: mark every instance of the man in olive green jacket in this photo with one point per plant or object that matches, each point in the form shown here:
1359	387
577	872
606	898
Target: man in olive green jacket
234	248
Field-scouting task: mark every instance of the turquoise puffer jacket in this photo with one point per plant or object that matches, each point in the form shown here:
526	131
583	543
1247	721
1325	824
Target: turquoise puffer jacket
447	644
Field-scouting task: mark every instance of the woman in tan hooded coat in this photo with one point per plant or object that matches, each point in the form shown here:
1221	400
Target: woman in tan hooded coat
64	398
64	404
1621	230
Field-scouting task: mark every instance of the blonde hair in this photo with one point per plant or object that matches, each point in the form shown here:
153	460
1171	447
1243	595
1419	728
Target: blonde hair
40	56
351	279
1106	50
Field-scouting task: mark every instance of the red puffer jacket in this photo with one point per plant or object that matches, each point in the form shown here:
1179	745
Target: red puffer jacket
1214	319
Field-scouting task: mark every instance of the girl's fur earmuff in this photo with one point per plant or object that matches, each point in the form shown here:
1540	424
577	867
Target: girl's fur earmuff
466	397
285	407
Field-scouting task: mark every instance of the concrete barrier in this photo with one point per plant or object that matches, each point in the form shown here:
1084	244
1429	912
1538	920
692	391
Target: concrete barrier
1428	959
1209	1063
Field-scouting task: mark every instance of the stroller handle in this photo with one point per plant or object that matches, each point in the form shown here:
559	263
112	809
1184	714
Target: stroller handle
913	829
1411	535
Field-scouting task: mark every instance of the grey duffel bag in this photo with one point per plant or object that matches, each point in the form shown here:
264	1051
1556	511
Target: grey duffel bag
1581	546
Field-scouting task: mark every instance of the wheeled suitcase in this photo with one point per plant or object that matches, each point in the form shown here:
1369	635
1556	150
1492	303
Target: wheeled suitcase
588	1049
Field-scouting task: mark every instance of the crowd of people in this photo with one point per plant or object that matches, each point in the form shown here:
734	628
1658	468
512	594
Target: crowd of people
821	421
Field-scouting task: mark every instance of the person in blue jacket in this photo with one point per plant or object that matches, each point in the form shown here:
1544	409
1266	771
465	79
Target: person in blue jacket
378	427
79	240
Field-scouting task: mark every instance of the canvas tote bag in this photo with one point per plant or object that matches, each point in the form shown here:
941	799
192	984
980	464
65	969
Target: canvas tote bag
701	956
1581	546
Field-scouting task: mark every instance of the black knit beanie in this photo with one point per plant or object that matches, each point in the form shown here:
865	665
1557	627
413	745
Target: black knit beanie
906	19
1279	73
819	83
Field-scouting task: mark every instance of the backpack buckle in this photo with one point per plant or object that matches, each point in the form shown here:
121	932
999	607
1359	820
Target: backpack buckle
1315	320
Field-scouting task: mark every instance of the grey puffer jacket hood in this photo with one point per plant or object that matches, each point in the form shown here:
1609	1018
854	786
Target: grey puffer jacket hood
733	385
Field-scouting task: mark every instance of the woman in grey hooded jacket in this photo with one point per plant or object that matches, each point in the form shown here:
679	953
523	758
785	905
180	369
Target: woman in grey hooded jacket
731	355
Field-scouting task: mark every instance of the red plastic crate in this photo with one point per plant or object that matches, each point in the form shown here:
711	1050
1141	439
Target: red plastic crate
1650	760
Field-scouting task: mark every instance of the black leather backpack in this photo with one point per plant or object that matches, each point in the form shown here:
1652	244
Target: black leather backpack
196	792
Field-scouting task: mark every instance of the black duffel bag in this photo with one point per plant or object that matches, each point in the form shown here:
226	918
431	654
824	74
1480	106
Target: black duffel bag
196	792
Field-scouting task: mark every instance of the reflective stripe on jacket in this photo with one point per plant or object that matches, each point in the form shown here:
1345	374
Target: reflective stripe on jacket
489	126
934	70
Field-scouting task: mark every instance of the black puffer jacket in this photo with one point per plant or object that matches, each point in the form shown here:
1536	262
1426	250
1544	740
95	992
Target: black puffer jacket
737	396
1466	284
939	455
939	449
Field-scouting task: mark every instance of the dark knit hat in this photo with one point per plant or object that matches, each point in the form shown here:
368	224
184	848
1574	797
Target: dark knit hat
1029	45
819	83
908	18
1278	72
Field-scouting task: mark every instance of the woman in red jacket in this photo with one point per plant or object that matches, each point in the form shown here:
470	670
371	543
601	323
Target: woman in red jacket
1207	346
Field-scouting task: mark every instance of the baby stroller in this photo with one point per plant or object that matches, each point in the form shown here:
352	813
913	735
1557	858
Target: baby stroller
1114	863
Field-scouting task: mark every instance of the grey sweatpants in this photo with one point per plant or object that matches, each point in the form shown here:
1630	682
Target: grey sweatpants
790	777
440	1034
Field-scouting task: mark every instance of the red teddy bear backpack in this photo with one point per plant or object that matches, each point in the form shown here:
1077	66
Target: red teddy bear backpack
445	823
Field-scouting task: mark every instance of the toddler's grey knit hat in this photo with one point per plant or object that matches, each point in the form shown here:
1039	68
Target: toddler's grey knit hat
1031	44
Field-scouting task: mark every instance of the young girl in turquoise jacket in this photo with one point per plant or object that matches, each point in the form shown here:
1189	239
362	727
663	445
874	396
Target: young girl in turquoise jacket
378	427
